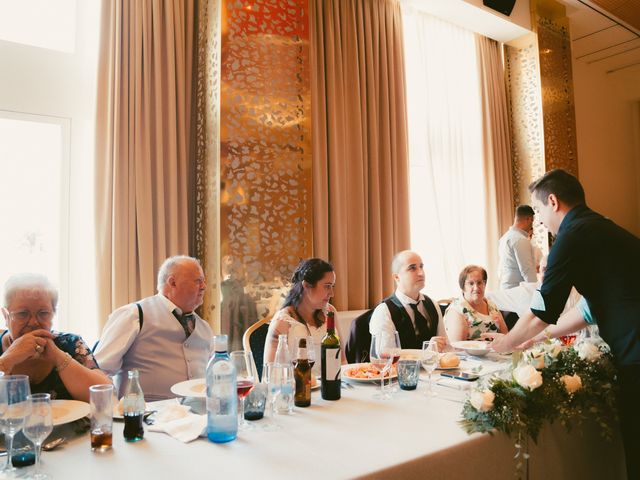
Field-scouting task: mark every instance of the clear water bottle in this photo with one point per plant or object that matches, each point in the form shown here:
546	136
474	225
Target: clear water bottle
133	408
283	357
222	395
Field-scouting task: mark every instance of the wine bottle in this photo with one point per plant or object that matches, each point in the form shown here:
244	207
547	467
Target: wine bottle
302	375
330	362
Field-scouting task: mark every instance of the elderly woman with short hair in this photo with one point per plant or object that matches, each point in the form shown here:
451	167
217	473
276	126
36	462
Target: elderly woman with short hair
60	364
468	317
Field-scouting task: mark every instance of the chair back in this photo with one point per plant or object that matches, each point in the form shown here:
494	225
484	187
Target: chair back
443	304
253	341
357	348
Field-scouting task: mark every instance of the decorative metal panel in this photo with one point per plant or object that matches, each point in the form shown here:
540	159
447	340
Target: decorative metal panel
265	156
560	143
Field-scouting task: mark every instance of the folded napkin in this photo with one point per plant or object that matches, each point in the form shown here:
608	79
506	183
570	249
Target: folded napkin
454	383
177	421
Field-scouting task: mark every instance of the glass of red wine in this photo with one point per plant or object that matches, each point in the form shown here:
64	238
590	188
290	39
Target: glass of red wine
247	377
383	353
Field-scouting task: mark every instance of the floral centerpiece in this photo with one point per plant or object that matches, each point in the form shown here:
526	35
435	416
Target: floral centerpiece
549	382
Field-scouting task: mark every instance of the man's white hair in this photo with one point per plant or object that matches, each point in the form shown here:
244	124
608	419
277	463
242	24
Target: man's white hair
31	284
169	267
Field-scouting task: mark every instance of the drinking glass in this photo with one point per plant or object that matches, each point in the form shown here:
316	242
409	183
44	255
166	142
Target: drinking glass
101	402
384	352
281	387
430	359
38	425
14	407
247	377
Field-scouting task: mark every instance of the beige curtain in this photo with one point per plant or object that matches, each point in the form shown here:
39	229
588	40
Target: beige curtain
497	149
360	167
142	142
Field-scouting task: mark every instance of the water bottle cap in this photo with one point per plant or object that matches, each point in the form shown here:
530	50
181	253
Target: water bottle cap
220	343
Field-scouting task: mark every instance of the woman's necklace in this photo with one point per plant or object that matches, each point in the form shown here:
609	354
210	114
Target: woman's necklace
302	320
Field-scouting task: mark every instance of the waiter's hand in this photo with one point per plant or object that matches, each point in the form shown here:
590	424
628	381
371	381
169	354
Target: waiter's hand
498	342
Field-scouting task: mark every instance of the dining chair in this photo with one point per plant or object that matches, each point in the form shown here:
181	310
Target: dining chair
253	340
444	304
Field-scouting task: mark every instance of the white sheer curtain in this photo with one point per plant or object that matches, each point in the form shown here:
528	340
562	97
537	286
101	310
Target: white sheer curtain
447	187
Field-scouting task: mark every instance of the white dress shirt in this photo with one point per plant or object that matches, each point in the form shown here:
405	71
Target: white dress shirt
381	321
517	261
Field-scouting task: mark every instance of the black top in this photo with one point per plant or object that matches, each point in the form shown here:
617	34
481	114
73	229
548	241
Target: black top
53	384
602	261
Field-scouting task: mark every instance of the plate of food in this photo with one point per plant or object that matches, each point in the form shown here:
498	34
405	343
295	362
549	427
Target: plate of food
365	372
448	361
196	387
66	411
478	348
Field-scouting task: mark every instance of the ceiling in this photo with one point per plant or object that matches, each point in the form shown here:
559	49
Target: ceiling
605	34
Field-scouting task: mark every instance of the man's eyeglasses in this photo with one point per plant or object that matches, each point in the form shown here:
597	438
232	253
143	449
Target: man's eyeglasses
42	316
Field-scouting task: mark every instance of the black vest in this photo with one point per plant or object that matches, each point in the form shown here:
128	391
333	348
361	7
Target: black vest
404	325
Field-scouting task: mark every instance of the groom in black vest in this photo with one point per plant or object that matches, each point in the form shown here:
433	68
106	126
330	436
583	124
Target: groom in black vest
412	314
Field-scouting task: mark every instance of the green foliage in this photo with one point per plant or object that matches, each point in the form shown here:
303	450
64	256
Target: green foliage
520	412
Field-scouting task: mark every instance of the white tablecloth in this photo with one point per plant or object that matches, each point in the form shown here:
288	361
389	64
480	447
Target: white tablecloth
409	437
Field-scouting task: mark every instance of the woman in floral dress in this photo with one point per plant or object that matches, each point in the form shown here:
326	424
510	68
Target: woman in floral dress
57	363
467	318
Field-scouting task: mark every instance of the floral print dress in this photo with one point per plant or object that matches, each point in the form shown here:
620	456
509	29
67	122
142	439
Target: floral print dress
75	346
478	323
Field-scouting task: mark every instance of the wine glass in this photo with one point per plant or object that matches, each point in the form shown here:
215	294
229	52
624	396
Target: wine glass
384	351
247	377
14	406
430	359
38	425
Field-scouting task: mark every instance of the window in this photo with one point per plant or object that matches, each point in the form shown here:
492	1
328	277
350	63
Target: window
47	122
447	186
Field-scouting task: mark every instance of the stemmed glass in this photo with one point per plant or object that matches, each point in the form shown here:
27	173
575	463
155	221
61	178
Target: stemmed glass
247	377
430	359
38	425
384	352
14	406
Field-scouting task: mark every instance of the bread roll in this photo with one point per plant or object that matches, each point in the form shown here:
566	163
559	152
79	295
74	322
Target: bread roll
449	360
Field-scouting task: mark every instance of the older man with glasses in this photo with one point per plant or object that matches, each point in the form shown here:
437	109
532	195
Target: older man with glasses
160	336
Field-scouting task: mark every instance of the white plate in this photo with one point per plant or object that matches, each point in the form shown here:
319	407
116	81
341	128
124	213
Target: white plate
316	386
364	380
65	411
191	388
119	416
411	354
472	347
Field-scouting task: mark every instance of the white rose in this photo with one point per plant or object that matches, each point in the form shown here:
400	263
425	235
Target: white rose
537	362
482	401
528	377
589	351
572	383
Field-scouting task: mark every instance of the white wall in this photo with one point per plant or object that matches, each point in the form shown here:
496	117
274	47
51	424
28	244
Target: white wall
608	133
41	81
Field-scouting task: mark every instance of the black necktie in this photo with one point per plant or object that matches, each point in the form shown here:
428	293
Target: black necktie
422	325
188	322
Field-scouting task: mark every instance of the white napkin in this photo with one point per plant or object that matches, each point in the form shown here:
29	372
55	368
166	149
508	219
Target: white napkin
454	383
177	421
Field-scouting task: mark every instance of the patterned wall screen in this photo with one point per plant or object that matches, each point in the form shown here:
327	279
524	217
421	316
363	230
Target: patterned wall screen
265	155
560	143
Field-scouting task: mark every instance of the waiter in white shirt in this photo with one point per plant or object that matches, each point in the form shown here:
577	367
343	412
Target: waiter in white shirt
516	255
